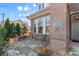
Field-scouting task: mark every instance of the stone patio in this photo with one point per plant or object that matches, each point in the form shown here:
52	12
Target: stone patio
75	45
24	48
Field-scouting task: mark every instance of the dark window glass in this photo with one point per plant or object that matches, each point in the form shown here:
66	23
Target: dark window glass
42	5
40	29
39	6
34	29
39	23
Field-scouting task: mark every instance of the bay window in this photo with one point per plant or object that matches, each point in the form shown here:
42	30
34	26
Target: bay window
41	25
40	29
34	29
35	26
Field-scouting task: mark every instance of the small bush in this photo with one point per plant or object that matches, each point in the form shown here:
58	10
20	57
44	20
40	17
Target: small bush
70	49
18	29
7	27
13	31
42	51
2	40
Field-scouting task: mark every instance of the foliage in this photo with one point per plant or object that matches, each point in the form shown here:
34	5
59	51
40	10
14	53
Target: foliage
7	27
24	29
2	32
42	51
2	40
10	31
18	29
13	31
70	49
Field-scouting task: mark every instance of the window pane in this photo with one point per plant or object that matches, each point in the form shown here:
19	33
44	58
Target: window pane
47	20
39	6
40	22
40	29
47	29
42	5
34	29
35	23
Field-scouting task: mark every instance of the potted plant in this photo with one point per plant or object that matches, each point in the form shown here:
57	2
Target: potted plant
12	38
12	35
70	50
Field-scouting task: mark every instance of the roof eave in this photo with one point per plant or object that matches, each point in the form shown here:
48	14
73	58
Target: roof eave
38	12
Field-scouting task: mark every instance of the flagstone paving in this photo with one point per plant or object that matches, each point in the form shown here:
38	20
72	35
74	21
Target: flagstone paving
24	48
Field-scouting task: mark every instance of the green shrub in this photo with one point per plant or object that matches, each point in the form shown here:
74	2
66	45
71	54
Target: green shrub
24	29
7	27
18	29
13	30
2	33
2	40
70	49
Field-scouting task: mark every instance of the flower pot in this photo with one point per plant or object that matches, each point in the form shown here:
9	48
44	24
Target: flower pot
12	40
45	49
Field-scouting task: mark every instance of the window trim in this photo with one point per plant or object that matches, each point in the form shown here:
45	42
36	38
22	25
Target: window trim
42	5
44	25
33	30
45	29
42	29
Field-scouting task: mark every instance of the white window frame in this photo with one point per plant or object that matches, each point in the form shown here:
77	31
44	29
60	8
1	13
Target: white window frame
48	24
41	25
35	21
42	5
43	19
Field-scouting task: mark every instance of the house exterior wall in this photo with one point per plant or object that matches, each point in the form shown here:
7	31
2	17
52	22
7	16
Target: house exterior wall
59	38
